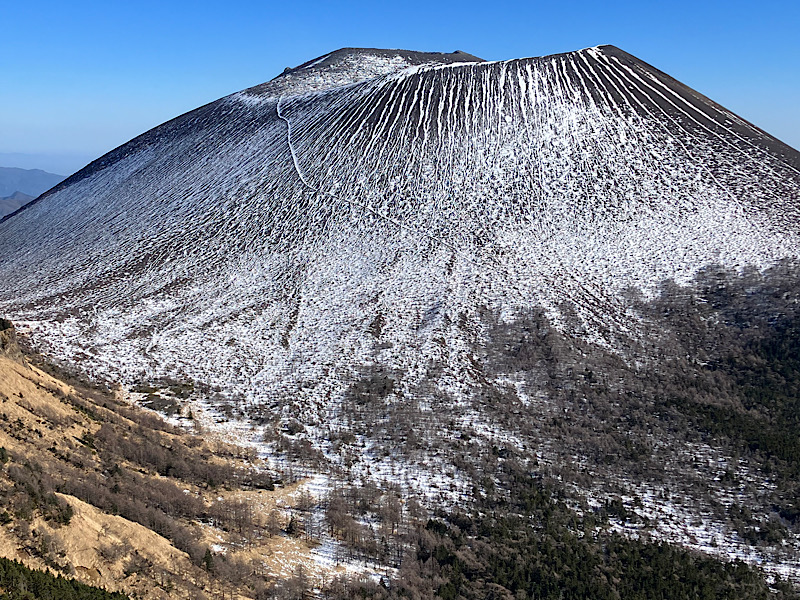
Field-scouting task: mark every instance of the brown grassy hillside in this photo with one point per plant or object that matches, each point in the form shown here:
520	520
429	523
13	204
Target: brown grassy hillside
95	488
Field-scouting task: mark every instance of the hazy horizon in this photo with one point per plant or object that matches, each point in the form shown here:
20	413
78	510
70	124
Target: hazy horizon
57	164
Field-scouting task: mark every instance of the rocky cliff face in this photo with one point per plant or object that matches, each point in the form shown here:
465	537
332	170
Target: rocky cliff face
8	341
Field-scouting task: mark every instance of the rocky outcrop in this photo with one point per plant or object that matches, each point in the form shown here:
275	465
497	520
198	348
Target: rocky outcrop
8	341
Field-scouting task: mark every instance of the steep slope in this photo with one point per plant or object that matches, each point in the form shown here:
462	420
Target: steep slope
390	262
94	488
61	435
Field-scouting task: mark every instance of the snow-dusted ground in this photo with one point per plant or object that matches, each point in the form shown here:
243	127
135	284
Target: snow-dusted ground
691	526
250	245
368	209
658	514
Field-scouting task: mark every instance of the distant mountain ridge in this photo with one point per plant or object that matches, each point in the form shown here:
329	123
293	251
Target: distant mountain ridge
28	181
20	186
11	203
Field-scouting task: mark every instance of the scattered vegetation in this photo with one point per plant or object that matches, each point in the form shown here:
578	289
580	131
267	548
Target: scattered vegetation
718	368
126	462
530	544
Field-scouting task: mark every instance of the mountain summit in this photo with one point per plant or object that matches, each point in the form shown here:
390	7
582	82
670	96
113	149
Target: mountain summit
416	229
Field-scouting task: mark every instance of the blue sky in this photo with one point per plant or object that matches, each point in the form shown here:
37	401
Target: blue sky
82	77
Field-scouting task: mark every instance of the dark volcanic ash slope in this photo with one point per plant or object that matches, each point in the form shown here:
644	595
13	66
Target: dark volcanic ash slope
473	239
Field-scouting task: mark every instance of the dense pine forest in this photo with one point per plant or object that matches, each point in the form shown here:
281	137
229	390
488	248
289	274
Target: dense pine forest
17	582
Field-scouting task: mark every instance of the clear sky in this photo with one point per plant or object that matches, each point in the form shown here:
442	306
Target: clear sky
79	78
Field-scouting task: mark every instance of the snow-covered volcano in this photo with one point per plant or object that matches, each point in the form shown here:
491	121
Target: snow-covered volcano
411	266
367	206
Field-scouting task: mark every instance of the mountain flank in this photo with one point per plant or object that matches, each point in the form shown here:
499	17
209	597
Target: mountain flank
13	202
98	490
540	312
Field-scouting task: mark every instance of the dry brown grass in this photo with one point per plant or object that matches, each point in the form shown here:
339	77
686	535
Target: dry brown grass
46	421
